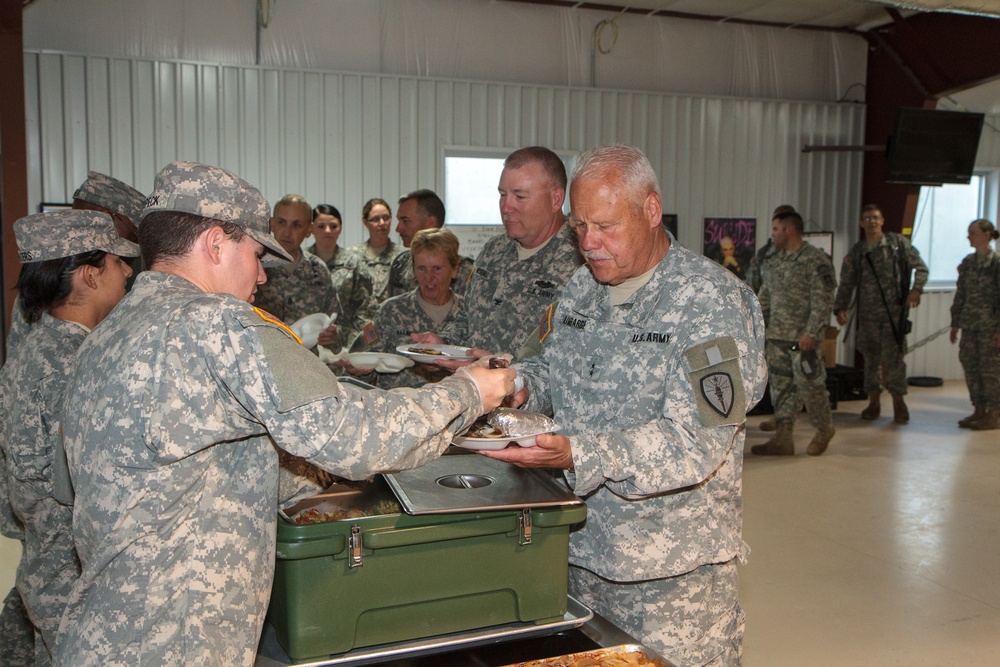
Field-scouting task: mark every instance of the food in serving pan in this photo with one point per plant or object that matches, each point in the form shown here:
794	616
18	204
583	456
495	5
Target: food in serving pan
602	658
315	515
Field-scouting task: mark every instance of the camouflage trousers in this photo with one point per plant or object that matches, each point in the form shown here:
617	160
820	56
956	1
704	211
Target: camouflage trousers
692	620
878	347
981	362
17	634
790	388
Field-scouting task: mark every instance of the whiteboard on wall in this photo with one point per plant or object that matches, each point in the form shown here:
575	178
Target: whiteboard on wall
472	238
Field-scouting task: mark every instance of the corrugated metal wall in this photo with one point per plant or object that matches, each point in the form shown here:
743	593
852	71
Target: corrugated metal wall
343	138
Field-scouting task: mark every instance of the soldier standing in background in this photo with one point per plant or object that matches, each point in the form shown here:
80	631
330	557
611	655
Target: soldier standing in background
517	274
875	276
420	209
976	313
796	298
303	286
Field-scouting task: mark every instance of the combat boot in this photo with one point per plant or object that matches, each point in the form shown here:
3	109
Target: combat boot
900	413
820	441
781	444
966	422
988	423
768	425
874	408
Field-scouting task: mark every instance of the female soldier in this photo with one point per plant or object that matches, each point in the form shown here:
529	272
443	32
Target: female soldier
429	307
976	311
73	275
376	254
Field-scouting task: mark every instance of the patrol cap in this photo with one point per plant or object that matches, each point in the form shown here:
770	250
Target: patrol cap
110	193
44	236
213	192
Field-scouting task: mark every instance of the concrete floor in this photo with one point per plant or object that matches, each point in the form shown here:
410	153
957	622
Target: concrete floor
883	551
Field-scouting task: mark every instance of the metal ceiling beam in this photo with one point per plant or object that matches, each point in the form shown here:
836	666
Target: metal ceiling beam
665	13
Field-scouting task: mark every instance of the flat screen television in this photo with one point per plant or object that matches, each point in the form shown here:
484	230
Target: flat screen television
931	147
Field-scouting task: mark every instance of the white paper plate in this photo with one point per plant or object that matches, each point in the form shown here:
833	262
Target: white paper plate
308	327
413	351
498	443
383	362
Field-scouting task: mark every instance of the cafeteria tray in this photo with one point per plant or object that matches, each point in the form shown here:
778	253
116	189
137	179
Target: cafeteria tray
272	655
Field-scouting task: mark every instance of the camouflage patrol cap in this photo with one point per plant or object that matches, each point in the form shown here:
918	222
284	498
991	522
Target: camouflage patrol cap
213	192
45	236
112	194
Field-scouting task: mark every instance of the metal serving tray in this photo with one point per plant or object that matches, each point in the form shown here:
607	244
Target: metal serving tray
271	654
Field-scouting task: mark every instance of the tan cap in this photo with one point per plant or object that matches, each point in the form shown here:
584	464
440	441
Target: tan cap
44	236
213	192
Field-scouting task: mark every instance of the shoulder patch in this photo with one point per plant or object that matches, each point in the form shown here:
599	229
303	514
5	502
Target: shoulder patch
271	319
369	334
545	326
716	382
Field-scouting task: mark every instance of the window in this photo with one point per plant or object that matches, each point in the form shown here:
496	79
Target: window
943	216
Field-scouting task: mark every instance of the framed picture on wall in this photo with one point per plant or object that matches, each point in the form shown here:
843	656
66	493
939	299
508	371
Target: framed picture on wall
822	240
731	242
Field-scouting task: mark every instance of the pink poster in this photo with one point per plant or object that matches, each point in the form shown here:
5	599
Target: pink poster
731	242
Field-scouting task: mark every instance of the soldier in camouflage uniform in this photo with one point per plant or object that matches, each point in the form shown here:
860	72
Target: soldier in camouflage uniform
351	283
420	209
976	313
431	306
104	194
73	273
655	355
376	254
517	275
797	299
873	276
302	287
172	415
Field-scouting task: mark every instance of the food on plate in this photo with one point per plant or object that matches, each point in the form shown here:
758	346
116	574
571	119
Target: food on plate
510	423
430	351
628	658
515	423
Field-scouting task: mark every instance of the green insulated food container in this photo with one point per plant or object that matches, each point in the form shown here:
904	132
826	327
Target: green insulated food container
374	580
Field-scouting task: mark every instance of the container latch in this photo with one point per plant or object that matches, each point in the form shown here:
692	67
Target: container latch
525	524
354	544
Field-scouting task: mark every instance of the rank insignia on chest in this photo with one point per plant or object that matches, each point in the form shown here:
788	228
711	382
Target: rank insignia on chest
368	333
717	388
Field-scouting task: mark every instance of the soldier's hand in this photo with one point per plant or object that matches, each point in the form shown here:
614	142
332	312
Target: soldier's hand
996	340
913	299
494	384
327	336
807	343
953	335
550	451
841	317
